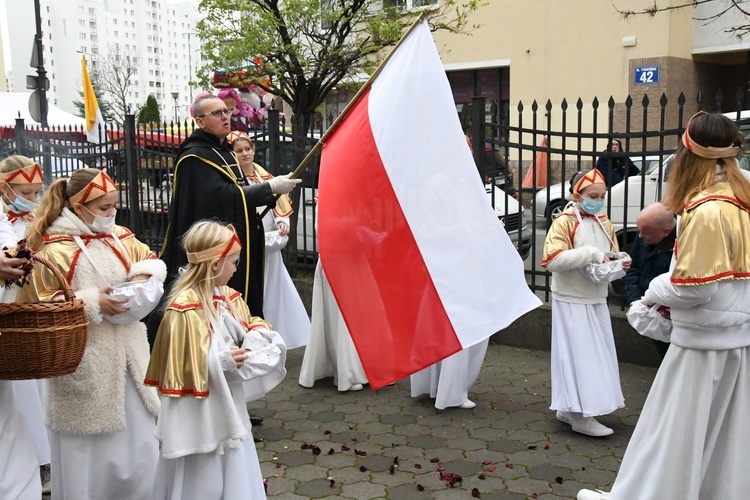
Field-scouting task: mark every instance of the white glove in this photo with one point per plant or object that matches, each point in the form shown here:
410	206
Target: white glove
283	184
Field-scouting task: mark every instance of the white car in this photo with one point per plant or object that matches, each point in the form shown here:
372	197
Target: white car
507	208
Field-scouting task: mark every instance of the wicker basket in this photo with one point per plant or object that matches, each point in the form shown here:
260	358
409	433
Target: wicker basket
42	339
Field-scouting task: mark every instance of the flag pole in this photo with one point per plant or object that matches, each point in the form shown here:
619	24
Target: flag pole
356	97
350	105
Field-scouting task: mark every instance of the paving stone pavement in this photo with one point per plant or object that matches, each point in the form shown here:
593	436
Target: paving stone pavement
387	445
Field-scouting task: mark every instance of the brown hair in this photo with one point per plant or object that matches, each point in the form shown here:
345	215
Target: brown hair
691	173
54	200
15	162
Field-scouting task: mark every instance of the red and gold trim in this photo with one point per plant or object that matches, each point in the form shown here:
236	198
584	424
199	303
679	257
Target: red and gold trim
97	187
218	252
591	177
27	175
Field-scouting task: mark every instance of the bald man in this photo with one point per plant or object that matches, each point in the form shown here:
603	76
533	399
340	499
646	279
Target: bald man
651	253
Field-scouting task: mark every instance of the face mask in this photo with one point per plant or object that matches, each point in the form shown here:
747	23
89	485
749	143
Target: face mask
21	204
592	207
102	225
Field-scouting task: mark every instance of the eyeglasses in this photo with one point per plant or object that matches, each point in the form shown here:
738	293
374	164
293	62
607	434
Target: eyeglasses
218	113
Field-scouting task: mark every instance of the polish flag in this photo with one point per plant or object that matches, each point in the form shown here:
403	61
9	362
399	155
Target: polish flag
415	255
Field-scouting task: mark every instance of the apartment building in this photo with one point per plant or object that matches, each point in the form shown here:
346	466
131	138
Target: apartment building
158	34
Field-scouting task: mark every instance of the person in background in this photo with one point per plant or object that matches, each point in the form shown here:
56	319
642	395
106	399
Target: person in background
210	357
585	373
101	417
651	253
282	305
615	168
239	119
690	441
21	181
330	351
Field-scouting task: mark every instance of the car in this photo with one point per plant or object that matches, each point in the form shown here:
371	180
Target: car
550	201
509	211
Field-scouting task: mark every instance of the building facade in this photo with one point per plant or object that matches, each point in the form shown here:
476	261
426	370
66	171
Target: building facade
155	36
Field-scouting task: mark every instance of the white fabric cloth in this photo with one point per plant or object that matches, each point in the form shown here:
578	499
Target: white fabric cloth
649	322
28	394
19	465
585	373
330	351
205	450
691	438
282	305
234	475
109	465
449	380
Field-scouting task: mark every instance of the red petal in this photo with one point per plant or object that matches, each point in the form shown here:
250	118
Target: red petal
417	466
509	466
392	469
475	493
487	462
534	495
440	469
546	446
278	465
559	480
327	432
434	460
420	487
482	477
362	468
493	468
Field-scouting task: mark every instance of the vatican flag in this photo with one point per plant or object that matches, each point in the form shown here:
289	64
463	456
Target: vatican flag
94	119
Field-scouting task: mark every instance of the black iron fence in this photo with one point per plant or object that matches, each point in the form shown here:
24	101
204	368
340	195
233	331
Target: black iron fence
514	149
526	145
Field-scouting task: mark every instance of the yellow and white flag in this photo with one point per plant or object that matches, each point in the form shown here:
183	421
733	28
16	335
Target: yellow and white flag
94	119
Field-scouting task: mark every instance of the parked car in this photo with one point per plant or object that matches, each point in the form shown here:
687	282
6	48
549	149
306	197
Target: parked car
507	208
550	201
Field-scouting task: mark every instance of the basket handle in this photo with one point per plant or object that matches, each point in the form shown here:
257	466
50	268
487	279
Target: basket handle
67	291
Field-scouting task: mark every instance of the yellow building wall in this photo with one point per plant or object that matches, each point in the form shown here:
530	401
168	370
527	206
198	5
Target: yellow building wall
571	49
566	48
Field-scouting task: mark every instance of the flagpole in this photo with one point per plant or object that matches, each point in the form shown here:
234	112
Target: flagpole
354	100
350	105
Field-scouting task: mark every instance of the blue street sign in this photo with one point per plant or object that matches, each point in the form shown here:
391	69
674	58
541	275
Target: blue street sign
646	75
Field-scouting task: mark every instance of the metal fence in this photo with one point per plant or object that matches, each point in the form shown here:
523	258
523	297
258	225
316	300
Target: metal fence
575	137
141	160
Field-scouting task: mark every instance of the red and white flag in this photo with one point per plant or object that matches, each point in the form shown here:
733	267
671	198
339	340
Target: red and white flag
415	255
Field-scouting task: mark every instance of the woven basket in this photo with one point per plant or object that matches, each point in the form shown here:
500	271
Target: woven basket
42	339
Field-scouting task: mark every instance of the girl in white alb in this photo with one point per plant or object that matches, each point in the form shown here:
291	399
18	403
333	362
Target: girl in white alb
101	416
582	253
210	357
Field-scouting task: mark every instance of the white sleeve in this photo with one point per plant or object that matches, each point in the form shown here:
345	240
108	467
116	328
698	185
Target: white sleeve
661	291
8	236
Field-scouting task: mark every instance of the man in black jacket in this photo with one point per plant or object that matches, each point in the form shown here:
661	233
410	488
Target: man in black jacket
613	166
651	253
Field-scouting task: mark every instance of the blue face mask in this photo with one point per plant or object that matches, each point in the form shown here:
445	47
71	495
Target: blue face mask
22	204
591	206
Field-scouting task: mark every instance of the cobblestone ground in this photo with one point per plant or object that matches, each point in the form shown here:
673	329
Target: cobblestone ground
365	445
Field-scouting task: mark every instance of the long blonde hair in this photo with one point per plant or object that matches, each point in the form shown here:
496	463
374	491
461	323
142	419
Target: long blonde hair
691	174
54	200
199	277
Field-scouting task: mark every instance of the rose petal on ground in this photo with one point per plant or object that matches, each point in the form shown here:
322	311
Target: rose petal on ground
475	493
345	448
362	468
493	468
434	460
546	446
417	466
533	447
420	487
326	432
559	480
331	451
482	477
486	462
392	469
509	466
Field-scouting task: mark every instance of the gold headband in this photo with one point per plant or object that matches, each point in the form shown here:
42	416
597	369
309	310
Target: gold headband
218	252
591	177
27	175
703	151
236	134
98	186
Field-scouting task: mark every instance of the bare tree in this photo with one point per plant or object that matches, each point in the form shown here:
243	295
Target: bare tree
115	75
741	6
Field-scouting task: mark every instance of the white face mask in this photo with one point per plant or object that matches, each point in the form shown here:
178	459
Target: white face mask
101	225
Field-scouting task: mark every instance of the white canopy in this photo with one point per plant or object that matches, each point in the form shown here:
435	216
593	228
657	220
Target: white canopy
13	103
